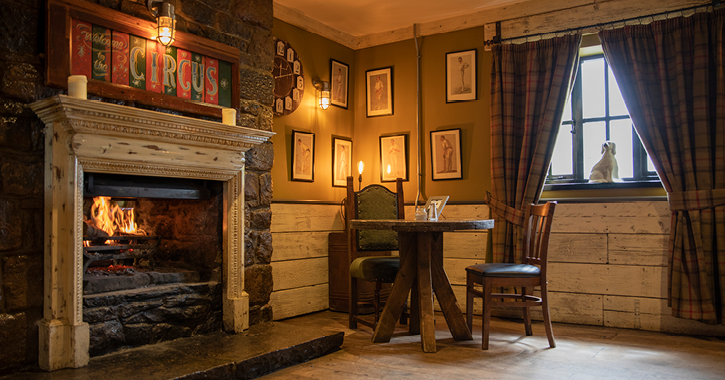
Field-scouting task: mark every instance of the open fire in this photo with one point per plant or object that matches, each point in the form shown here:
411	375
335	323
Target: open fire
112	239
111	219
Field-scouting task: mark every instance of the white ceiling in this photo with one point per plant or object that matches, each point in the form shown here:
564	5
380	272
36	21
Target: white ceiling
364	17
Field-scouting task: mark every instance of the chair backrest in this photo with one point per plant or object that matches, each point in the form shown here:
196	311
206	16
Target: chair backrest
371	203
537	228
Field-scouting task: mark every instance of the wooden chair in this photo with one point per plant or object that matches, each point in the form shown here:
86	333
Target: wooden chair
530	273
372	202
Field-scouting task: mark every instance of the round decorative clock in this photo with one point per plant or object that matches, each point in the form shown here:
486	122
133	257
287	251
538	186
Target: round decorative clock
289	78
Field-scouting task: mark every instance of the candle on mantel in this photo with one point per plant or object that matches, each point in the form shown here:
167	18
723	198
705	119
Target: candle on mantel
229	116
77	87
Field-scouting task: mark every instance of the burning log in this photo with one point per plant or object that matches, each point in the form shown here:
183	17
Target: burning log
91	231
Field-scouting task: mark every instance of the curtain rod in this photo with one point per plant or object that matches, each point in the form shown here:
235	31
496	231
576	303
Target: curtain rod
498	40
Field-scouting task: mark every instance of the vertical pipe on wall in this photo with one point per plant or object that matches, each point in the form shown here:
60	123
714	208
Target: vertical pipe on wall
417	111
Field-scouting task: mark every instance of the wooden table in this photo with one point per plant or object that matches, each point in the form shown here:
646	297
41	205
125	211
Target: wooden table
421	255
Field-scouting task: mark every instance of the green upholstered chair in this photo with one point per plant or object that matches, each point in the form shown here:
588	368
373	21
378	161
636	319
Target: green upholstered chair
530	273
371	203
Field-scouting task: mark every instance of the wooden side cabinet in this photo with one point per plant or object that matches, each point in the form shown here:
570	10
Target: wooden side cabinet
339	268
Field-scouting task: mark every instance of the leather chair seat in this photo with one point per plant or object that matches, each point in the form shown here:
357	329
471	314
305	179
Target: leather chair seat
505	270
375	268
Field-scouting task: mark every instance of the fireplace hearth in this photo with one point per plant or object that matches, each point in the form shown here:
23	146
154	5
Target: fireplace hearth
87	136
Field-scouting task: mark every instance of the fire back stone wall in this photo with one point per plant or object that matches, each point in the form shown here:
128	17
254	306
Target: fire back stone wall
244	24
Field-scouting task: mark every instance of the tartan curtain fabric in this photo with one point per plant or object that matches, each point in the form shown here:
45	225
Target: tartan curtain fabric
672	79
529	86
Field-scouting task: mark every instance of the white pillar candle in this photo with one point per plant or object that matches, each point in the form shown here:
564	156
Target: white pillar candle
77	86
229	116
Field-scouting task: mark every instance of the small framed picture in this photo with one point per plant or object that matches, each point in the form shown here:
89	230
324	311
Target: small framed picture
445	148
303	156
342	155
379	90
339	84
439	202
393	158
461	82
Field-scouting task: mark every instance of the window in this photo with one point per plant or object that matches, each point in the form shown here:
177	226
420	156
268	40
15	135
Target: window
595	113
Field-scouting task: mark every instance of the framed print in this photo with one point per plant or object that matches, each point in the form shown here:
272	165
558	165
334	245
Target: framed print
445	148
339	83
461	83
342	156
379	91
303	156
393	158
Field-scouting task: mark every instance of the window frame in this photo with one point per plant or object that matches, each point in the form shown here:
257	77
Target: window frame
578	179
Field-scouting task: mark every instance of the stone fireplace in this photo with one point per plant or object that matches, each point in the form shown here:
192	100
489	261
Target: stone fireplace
88	136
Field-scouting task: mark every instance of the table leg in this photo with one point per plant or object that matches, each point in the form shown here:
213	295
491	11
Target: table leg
425	293
444	293
408	243
398	295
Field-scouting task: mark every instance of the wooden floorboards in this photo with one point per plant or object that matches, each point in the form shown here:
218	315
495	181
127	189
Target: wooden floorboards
582	353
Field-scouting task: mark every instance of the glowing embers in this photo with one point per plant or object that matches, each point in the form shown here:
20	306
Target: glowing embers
112	270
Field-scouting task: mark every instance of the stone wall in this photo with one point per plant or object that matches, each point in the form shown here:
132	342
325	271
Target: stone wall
244	24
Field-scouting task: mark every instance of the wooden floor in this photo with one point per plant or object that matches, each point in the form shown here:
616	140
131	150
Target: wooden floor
582	352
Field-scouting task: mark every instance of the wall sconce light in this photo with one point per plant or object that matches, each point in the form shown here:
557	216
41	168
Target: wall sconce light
165	21
323	93
360	167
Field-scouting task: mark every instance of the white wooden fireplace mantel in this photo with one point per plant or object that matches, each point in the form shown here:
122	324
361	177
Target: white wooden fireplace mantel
92	136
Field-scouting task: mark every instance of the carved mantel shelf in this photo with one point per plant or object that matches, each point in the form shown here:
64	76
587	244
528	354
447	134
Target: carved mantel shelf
87	135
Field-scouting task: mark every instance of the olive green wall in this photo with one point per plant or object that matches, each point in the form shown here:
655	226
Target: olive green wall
471	117
315	54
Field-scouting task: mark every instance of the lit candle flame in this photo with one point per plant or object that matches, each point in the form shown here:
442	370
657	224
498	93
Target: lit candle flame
360	167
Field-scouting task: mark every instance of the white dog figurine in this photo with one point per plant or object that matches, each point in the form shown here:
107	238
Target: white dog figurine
606	170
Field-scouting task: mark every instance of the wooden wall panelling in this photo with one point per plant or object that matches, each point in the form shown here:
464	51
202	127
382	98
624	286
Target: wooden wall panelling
299	258
624	280
578	248
625	218
639	249
574	308
298	301
465	245
609	263
299	273
299	245
300	218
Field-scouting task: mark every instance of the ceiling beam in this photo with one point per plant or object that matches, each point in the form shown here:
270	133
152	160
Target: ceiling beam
518	19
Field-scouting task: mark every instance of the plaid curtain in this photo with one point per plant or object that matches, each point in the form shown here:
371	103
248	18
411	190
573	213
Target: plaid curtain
529	86
672	79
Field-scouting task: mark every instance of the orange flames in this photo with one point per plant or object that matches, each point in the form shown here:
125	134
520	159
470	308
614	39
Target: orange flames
111	218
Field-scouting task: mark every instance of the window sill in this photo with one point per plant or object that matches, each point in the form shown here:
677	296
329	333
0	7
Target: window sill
602	186
604	192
